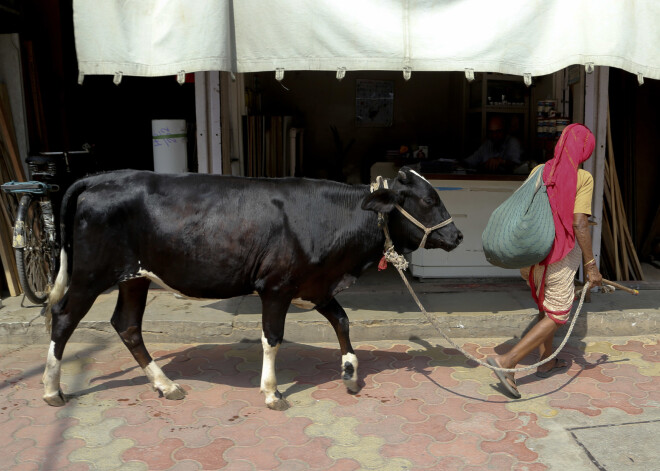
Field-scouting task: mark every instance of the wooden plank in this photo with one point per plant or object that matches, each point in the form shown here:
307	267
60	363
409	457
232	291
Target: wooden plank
6	247
9	202
618	229
621	224
5	107
633	261
35	89
7	255
629	254
8	262
8	171
7	137
623	244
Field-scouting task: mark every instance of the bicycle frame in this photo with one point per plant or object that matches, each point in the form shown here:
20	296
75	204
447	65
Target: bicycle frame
36	236
32	189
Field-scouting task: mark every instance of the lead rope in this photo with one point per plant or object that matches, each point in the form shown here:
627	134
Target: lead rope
400	263
434	322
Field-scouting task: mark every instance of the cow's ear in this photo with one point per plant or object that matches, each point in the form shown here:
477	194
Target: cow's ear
381	201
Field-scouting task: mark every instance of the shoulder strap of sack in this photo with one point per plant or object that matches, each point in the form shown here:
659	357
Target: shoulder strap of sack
539	179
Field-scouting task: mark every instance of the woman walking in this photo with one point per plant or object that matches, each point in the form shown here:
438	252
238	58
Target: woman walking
552	280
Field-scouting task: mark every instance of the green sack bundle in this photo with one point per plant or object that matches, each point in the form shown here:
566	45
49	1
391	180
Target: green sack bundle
521	231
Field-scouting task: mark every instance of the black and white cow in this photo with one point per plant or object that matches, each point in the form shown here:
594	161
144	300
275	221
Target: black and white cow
207	236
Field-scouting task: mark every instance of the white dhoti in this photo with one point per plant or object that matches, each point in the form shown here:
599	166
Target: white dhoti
558	292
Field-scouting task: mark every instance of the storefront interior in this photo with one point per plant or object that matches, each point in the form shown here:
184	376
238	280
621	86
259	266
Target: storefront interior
441	114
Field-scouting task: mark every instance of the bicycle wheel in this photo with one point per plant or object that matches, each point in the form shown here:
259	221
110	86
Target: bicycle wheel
36	260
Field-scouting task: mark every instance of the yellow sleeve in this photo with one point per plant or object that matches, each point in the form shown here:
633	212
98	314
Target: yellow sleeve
535	168
584	192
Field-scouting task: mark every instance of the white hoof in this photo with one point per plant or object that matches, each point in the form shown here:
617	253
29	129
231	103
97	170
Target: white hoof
175	394
55	400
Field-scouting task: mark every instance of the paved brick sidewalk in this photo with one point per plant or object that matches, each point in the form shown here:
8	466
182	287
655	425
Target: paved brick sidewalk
422	407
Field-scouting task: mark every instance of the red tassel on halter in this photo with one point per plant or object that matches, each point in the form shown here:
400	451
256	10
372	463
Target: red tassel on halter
382	265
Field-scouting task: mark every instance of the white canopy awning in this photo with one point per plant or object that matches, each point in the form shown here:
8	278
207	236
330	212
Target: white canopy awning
536	37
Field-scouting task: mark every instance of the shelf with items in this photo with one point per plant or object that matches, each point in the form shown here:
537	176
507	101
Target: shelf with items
496	94
549	126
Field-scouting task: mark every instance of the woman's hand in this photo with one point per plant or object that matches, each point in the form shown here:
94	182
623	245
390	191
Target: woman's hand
593	275
583	238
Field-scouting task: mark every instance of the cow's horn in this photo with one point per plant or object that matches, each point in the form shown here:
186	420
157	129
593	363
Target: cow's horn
402	176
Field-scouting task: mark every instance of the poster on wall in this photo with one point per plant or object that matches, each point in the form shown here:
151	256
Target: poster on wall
374	103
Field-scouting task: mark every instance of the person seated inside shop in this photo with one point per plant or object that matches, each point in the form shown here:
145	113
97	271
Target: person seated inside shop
501	152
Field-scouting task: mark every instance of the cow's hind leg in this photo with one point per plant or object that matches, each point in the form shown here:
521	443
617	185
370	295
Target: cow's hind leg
127	321
66	315
349	362
273	316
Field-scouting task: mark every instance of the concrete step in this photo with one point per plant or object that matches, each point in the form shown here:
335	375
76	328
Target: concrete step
378	309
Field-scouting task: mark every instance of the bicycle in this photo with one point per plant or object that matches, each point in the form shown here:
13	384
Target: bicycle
36	232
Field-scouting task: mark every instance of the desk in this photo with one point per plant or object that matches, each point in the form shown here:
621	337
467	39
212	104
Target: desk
470	199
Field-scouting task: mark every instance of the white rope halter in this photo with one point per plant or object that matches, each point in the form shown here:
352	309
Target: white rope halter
427	230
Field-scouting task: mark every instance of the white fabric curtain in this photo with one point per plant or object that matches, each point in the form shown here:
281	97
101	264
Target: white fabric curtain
536	37
153	37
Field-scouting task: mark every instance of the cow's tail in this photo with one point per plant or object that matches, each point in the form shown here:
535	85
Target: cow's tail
67	213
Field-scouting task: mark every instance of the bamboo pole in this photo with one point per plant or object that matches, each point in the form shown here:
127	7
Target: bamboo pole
8	211
7	135
10	169
621	287
624	249
610	153
628	253
618	228
614	223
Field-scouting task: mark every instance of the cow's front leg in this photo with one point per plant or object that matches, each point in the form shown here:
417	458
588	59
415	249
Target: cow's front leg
273	316
349	362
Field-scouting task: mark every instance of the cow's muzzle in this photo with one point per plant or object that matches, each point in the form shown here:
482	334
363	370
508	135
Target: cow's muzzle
427	230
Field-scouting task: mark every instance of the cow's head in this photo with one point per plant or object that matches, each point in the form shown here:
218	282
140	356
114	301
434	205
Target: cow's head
415	195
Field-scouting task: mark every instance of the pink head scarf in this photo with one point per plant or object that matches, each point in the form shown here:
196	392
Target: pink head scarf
560	177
